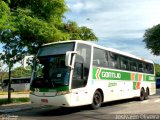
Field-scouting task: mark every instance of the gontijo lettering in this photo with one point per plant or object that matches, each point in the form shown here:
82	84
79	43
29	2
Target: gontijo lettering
111	75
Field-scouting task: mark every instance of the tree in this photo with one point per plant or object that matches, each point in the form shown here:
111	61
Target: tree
20	72
79	33
27	24
31	24
3	71
152	39
157	69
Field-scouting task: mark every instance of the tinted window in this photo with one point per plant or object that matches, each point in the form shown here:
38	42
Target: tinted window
100	58
140	67
146	68
151	69
133	65
114	60
20	80
81	66
55	49
124	63
103	58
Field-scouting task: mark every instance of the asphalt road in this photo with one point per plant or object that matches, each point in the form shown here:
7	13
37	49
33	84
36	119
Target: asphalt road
122	109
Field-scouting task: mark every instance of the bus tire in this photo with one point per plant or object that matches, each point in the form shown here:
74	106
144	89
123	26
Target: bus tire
97	100
142	94
146	94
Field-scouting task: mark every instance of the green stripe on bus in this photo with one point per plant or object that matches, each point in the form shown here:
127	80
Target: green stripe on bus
94	73
136	77
134	85
107	74
150	78
62	88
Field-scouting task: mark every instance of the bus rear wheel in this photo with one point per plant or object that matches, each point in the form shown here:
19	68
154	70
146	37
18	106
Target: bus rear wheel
142	94
146	94
97	100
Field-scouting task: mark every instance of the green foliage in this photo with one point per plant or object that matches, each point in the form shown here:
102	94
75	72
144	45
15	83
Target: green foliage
79	33
34	32
157	69
20	72
152	39
14	100
17	73
50	10
26	25
3	71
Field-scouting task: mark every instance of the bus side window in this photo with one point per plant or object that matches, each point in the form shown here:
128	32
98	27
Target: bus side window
146	67
124	63
81	66
96	62
133	65
151	69
100	58
140	67
114	60
107	58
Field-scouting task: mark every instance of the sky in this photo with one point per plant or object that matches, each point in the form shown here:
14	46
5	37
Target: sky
118	24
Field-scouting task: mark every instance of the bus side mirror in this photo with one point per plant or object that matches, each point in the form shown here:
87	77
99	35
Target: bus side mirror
69	57
27	61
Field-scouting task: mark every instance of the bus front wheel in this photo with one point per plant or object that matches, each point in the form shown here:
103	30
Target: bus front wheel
97	100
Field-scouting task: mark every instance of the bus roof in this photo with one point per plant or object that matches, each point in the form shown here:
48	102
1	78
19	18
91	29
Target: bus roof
102	47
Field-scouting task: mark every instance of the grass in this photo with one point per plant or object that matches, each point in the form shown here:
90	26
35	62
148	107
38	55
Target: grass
13	100
5	93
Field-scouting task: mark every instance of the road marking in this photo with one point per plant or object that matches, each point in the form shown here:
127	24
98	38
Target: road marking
157	100
145	101
131	102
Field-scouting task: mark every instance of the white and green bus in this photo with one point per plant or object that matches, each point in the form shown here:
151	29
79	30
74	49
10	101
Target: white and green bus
76	73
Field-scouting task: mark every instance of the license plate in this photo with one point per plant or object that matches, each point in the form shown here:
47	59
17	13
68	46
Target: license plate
44	100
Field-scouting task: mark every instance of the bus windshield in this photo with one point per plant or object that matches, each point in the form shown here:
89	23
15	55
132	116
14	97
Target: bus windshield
50	71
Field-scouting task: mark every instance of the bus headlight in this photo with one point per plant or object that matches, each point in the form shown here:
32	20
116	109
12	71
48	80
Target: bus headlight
63	92
31	92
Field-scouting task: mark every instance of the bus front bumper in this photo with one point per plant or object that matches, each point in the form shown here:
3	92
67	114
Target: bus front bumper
62	100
